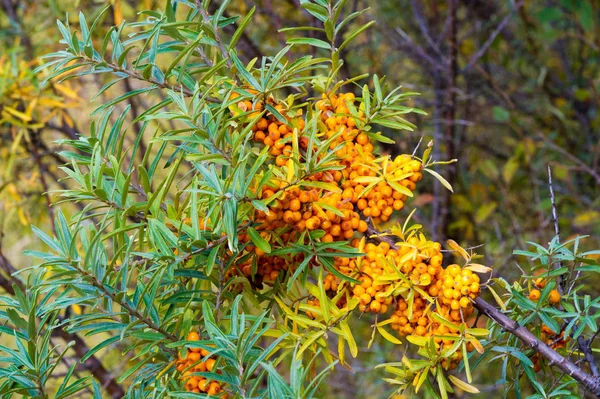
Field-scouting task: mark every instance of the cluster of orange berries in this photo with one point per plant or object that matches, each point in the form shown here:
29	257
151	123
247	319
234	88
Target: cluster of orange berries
552	339
361	165
293	208
456	290
368	187
195	361
274	134
448	292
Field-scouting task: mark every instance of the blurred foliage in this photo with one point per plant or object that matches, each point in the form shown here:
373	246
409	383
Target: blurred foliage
510	88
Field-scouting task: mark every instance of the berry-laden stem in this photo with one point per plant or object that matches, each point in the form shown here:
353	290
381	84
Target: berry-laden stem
591	384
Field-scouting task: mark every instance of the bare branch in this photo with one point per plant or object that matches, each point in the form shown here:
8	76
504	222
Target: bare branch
492	37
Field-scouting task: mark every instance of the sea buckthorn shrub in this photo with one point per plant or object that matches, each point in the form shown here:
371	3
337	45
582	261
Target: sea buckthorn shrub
232	254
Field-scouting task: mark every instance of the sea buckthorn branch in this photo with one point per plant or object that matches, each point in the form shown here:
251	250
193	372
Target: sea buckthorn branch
222	50
590	382
140	77
583	344
133	312
92	363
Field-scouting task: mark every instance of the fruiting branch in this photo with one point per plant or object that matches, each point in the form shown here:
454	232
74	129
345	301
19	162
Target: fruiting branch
590	383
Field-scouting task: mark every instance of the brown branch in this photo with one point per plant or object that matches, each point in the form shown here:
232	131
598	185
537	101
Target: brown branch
590	383
133	312
585	346
35	138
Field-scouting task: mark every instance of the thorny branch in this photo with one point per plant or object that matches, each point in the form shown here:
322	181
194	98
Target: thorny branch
590	382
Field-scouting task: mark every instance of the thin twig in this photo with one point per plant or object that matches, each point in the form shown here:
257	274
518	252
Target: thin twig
492	37
557	265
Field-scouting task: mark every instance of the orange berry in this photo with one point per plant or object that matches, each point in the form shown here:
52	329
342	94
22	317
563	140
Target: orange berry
375	306
191	383
193	336
194	357
534	295
464	302
210	364
365	298
214	388
554	297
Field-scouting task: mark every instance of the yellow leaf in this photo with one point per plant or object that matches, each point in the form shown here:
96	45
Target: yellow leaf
311	340
118	13
21	115
68	120
341	350
349	338
586	219
388	336
499	300
12	190
66	91
401	189
417	340
51	103
510	168
422	379
482	332
319	210
437	317
485	211
31	106
462	385
440	178
453	244
22	217
477	345
291	171
367	179
477	268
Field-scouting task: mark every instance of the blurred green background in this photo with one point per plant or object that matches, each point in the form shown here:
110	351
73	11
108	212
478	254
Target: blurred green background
511	89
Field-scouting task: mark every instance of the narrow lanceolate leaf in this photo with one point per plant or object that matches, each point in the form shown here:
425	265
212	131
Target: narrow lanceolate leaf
499	300
462	385
354	34
440	178
310	41
241	26
258	240
454	245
